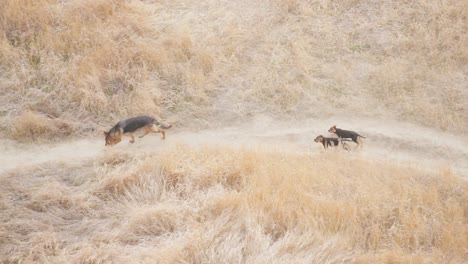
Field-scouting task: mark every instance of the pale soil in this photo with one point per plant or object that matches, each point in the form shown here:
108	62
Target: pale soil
398	142
261	192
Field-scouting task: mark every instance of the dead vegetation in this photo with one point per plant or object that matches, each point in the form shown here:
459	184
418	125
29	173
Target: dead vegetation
217	204
37	128
69	68
92	63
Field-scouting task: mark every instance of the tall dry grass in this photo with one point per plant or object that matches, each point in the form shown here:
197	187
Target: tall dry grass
92	62
33	127
68	68
206	63
214	204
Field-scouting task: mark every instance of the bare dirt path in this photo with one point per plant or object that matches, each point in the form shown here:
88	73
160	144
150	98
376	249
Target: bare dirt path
396	142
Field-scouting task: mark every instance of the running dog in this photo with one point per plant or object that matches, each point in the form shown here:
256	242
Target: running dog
132	125
343	134
327	142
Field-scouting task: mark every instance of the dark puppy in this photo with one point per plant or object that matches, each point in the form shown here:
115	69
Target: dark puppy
327	142
346	134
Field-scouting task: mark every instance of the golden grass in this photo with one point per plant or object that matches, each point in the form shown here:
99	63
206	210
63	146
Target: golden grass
30	126
95	62
74	67
216	204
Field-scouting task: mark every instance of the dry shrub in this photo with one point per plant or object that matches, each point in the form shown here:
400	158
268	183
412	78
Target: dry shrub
90	254
282	207
115	158
215	168
155	221
49	198
97	57
30	126
119	185
129	176
44	244
104	60
372	205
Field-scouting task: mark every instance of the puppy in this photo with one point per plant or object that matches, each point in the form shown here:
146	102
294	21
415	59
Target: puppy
327	142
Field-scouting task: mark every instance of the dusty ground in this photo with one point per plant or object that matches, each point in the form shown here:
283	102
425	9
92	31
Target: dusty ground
263	192
393	141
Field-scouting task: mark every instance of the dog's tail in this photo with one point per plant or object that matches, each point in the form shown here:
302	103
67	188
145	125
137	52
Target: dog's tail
361	136
163	126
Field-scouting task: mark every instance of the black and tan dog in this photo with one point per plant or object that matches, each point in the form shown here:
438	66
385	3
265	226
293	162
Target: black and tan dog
327	142
132	125
344	134
331	142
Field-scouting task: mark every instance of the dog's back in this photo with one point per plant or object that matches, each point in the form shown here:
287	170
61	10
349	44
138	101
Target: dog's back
332	142
133	124
326	141
341	133
346	133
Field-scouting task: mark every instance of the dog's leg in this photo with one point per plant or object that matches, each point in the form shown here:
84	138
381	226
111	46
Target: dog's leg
360	141
144	134
159	131
133	138
356	140
323	144
345	146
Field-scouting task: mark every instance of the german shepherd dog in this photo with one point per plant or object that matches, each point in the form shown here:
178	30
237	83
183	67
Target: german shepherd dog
343	134
327	142
132	125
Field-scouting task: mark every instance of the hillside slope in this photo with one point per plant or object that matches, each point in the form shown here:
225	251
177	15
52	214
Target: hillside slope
247	85
87	64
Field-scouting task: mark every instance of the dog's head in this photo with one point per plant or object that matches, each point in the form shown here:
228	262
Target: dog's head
332	129
110	141
319	139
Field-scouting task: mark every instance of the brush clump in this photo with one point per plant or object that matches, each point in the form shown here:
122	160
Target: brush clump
224	204
30	126
92	63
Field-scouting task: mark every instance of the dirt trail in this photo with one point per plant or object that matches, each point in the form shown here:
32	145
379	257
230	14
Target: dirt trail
396	142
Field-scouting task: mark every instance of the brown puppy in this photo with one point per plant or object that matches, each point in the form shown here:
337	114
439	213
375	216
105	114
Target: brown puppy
327	142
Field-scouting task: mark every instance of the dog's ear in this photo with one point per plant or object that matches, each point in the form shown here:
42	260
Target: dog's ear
334	126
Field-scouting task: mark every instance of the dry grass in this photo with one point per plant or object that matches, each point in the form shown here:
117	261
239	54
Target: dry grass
216	204
215	62
34	127
72	67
